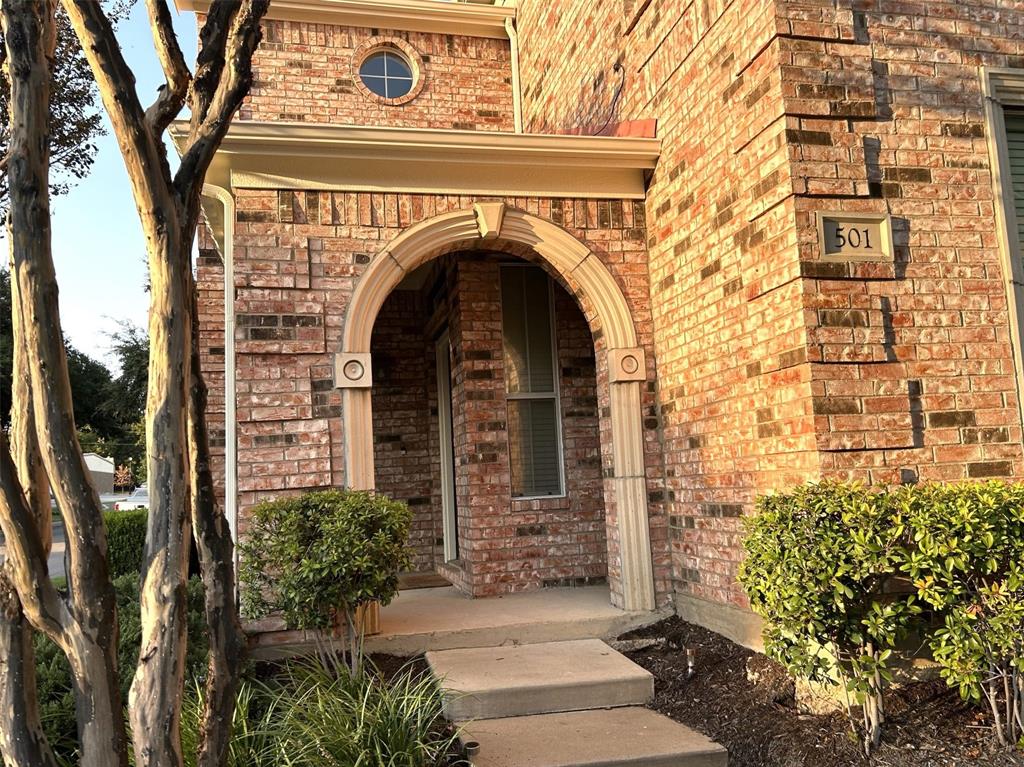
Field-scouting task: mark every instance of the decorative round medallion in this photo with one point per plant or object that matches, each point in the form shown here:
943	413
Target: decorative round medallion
353	370
630	364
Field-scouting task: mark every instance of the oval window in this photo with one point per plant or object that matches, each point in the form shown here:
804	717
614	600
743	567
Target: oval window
387	74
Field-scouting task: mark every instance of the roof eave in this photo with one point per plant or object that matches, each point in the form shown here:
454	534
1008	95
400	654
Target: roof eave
471	19
300	155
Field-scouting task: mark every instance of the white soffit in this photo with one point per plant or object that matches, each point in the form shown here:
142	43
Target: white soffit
455	18
278	155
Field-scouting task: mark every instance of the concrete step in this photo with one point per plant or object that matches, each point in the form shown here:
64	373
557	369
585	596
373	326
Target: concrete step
496	682
617	737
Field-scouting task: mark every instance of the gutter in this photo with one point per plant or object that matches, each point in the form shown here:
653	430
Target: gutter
517	90
227	245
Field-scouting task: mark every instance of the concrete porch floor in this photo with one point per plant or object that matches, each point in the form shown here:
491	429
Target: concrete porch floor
444	619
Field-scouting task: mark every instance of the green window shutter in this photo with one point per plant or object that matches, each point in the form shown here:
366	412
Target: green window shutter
1015	145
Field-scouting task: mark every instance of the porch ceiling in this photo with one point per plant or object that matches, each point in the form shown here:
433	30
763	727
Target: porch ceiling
281	155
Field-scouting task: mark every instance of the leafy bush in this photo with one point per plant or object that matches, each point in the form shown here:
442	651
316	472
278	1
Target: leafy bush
126	539
321	556
56	700
966	559
818	562
311	716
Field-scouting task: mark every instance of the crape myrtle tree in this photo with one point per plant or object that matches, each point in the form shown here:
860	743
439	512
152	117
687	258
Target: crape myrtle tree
43	449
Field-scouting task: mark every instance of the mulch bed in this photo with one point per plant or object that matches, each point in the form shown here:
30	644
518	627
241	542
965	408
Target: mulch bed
758	721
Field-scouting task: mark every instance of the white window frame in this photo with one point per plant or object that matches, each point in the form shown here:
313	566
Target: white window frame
1002	89
556	381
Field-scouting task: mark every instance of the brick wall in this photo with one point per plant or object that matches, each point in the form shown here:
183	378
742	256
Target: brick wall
210	289
733	395
307	72
403	450
512	544
774	366
912	362
298	256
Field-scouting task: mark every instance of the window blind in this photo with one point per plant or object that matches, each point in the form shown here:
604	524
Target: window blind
531	387
1015	145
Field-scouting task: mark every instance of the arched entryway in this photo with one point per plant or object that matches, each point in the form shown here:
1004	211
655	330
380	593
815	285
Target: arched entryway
494	226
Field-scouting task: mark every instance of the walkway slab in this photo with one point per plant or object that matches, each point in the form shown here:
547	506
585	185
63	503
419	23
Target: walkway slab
496	682
442	619
618	737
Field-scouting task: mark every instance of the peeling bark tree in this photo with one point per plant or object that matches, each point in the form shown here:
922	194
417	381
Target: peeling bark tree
85	627
180	484
25	738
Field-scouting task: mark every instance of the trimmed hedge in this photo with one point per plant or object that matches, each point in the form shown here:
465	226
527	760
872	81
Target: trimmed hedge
126	540
321	556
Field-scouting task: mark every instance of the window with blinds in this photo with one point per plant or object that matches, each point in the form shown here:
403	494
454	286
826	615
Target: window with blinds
1015	146
531	382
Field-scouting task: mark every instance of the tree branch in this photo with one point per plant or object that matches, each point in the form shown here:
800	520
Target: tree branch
213	107
143	151
176	72
27	558
216	556
210	60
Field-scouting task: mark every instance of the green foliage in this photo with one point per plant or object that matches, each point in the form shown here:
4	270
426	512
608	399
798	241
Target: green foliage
314	556
820	559
108	411
818	562
90	388
966	560
126	539
127	397
56	700
311	716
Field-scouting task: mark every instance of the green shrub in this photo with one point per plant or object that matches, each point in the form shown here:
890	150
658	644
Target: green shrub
319	557
819	559
819	562
965	556
126	539
56	700
311	716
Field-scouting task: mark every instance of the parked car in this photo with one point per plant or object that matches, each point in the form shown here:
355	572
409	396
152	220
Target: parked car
139	499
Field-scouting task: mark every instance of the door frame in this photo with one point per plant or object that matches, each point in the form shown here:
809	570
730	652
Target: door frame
449	508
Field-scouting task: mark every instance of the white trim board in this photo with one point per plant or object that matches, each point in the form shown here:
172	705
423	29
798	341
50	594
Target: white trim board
280	155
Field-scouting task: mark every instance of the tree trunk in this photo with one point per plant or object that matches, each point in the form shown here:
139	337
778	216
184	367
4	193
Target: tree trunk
155	700
217	558
21	734
22	741
92	645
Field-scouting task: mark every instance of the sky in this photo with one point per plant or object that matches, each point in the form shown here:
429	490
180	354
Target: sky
98	247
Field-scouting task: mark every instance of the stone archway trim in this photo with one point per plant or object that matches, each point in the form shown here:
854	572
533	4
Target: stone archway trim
626	361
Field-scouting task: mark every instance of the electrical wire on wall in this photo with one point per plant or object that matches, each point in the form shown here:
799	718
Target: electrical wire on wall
615	100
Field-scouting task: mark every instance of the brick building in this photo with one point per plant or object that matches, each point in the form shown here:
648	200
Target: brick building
579	280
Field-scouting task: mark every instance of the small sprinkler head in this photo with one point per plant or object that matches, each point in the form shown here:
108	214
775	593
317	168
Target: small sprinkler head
691	662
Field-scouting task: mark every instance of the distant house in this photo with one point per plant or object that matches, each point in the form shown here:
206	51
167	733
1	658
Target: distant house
102	470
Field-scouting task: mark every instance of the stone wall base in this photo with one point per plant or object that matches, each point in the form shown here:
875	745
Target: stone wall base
741	626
